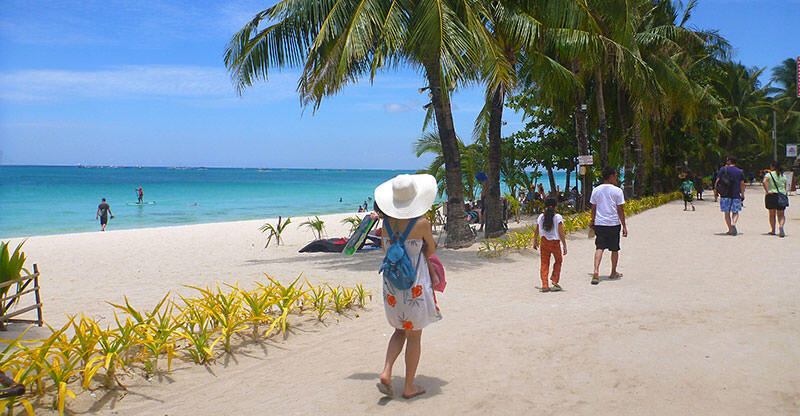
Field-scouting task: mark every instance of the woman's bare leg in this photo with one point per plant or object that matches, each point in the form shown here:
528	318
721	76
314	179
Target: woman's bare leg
413	351
772	220
392	352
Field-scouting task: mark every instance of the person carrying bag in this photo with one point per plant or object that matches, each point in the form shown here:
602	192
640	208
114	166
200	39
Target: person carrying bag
408	298
776	200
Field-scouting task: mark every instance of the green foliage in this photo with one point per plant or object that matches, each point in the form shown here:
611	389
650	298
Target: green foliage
275	231
316	225
11	267
524	239
353	222
190	329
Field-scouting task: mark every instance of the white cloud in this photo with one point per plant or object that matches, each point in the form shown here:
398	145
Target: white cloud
398	107
136	82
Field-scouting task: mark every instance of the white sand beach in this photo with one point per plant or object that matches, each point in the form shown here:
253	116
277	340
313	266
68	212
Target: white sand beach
701	323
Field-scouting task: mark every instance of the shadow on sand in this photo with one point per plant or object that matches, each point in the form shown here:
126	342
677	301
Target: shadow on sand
432	385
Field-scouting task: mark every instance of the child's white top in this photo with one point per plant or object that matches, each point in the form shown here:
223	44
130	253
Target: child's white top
553	233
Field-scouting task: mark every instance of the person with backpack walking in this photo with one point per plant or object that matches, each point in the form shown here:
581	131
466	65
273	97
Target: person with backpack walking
551	227
408	298
776	200
730	187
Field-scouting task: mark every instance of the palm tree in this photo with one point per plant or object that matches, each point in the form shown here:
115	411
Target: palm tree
513	31
745	108
473	160
338	43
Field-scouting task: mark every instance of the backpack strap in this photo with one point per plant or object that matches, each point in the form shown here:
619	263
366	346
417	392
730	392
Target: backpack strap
408	228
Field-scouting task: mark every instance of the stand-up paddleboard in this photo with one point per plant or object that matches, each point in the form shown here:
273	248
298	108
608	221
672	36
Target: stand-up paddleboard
359	235
143	203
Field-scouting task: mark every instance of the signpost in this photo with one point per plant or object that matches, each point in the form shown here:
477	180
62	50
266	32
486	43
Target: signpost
791	150
585	160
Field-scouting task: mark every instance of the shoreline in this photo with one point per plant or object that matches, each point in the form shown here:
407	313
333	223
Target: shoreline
150	228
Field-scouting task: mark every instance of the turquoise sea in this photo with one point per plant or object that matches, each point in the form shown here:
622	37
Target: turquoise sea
38	200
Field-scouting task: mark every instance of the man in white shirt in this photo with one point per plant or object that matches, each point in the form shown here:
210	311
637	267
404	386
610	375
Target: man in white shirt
608	217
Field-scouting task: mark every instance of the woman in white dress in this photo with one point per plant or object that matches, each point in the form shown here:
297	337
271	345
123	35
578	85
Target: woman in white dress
401	200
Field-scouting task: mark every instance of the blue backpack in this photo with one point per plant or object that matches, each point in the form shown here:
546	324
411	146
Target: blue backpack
397	267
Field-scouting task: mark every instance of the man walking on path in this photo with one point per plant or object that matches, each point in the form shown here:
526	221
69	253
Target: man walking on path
103	211
608	216
730	188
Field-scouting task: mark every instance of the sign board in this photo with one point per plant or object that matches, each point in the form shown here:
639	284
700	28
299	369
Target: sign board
791	150
585	160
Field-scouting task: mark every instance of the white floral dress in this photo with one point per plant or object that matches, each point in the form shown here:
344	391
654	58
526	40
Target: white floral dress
414	308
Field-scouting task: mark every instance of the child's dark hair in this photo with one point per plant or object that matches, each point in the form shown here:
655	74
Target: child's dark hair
549	213
776	166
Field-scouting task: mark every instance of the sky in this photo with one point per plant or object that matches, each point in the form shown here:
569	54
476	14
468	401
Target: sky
132	83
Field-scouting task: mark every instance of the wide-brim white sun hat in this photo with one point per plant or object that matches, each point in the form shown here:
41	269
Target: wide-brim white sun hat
406	196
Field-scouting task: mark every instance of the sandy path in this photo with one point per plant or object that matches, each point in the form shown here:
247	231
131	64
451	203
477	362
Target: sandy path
701	323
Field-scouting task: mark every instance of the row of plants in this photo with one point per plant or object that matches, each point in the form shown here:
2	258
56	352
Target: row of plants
317	227
85	354
524	238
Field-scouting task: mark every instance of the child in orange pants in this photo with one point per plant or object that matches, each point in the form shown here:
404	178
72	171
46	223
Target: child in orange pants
551	227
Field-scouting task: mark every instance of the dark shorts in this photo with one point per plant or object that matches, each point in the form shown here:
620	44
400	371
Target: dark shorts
103	220
688	197
607	237
771	202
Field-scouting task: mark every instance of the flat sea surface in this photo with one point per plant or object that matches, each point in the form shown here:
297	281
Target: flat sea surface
40	200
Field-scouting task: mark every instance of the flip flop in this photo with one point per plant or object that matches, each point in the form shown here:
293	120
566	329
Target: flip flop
420	391
555	288
385	389
615	276
771	233
595	280
544	289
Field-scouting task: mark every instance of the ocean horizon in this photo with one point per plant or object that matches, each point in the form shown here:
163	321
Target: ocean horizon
46	200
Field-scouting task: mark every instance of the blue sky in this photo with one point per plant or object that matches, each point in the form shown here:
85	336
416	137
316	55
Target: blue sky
142	83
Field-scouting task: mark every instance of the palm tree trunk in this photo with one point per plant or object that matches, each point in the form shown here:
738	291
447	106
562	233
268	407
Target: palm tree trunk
494	208
622	107
458	232
601	119
657	174
566	183
638	184
552	178
580	132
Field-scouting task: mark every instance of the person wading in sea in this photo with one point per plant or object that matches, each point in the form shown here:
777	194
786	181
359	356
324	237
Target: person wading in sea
103	212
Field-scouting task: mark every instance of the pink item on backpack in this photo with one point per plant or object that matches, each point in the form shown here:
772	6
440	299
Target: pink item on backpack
438	268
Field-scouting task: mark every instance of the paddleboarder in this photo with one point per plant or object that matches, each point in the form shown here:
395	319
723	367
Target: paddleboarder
140	194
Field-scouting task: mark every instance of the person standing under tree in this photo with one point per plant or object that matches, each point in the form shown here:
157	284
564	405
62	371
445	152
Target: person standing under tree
730	187
687	187
608	217
103	212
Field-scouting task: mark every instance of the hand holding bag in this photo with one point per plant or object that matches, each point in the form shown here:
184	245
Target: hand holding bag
439	269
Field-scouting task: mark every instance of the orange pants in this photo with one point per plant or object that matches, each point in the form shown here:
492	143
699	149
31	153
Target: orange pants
549	247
